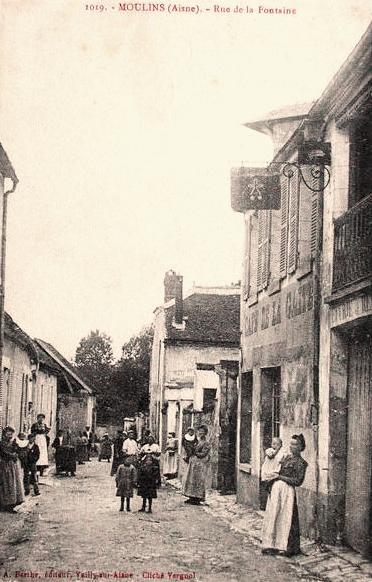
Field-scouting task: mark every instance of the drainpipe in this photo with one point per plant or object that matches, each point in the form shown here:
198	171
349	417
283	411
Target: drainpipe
2	284
318	260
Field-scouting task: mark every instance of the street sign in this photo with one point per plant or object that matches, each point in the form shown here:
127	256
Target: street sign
254	189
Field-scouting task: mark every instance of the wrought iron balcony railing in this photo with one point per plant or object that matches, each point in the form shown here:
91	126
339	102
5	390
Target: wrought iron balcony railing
352	260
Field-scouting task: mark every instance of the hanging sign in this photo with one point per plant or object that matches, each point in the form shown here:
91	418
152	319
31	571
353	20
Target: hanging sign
254	189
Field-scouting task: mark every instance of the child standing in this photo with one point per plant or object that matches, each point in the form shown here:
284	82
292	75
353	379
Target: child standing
33	454
125	477
147	480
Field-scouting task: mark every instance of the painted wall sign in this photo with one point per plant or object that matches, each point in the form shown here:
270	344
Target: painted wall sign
351	309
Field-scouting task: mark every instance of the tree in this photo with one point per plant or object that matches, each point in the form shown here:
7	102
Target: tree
132	372
94	359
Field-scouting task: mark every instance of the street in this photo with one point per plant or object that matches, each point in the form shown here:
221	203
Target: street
74	530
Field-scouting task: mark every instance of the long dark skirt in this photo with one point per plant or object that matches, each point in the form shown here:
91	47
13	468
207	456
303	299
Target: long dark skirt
116	461
66	459
147	481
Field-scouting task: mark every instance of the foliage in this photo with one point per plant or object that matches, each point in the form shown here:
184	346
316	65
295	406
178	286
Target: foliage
121	388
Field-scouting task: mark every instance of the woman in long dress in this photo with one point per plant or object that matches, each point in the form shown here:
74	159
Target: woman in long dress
40	430
11	486
194	482
281	527
170	466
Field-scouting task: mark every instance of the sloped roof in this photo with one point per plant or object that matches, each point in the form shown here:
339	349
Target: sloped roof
20	337
71	372
208	318
295	111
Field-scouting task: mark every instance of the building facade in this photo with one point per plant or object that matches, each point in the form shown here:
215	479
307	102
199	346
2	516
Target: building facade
306	310
192	336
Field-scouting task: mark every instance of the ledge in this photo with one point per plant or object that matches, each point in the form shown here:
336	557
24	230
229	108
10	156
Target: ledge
245	468
274	287
252	300
305	269
351	290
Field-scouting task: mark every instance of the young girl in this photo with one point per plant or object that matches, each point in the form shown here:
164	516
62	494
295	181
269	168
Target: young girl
147	479
125	477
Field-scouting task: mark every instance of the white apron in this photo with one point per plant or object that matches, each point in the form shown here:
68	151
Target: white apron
41	442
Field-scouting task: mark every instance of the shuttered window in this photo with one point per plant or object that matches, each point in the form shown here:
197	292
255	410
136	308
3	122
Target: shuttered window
314	218
263	249
293	221
284	226
253	241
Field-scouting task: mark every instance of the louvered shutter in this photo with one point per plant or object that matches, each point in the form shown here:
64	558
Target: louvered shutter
266	249
283	226
260	238
293	222
314	218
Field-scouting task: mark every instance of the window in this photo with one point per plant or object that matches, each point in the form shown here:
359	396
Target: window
270	404
246	417
209	398
263	249
360	160
289	223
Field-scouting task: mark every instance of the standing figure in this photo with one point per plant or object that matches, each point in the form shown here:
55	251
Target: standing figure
65	453
271	465
40	430
152	448
130	448
33	455
117	458
89	436
125	481
194	482
147	481
170	467
105	449
189	442
21	447
11	487
281	528
81	449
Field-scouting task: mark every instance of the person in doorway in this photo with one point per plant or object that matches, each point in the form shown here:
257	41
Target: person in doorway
194	482
40	430
33	455
189	442
125	481
147	481
281	528
65	453
105	449
170	467
11	486
118	451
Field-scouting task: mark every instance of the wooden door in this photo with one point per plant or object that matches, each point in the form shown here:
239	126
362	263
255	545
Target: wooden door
359	439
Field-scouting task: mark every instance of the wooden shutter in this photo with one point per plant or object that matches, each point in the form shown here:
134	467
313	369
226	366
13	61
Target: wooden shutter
266	249
314	218
260	238
283	226
293	222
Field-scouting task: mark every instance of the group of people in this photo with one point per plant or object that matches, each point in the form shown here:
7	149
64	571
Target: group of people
138	465
24	458
20	459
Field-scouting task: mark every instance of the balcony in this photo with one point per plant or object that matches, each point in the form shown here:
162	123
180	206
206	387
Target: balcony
352	260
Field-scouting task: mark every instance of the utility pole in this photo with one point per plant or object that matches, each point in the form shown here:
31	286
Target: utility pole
6	173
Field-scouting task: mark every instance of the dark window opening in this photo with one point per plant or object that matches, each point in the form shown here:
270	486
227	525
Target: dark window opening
360	160
209	399
246	417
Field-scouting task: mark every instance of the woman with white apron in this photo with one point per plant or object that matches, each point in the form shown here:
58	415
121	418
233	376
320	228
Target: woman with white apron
40	430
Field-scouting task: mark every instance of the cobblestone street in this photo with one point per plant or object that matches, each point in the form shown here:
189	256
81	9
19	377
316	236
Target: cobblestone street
75	526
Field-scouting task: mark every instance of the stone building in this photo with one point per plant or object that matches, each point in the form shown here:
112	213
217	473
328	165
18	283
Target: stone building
306	308
194	365
76	406
29	385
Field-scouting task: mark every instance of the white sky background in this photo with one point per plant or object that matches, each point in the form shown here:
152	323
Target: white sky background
122	129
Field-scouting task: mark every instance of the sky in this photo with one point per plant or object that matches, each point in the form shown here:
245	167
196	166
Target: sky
122	128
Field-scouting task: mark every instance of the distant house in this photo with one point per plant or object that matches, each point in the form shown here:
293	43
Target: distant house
75	402
194	364
29	386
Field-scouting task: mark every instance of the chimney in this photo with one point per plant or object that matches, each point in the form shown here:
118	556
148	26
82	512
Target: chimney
173	290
